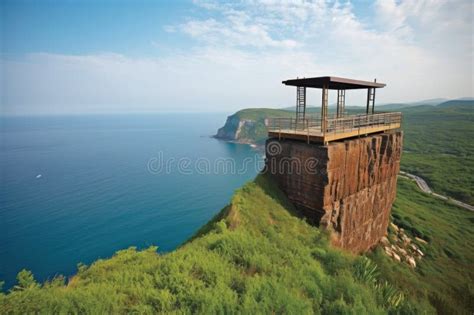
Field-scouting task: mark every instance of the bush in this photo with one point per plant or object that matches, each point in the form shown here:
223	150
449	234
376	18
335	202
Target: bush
25	280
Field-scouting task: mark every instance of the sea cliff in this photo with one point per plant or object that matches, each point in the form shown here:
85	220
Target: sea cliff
249	125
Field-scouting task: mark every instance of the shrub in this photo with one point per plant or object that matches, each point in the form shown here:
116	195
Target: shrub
25	280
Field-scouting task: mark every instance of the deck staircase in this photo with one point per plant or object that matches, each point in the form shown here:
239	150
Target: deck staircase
300	106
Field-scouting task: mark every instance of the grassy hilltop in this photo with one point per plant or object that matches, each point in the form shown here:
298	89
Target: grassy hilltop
259	256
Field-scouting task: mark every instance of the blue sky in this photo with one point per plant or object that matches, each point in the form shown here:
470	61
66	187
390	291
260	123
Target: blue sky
152	56
88	27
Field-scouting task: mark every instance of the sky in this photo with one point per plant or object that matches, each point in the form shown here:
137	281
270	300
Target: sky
76	57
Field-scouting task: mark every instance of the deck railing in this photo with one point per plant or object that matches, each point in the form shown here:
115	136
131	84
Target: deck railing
334	125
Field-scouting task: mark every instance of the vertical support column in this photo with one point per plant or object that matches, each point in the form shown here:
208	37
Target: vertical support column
324	109
370	100
373	100
341	102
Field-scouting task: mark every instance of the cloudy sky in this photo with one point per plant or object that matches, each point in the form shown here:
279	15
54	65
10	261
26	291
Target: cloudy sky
151	56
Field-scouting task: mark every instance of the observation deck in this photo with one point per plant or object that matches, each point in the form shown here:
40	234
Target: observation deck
310	129
324	128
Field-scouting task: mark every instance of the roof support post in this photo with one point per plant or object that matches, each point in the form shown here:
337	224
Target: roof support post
370	100
324	108
373	102
341	102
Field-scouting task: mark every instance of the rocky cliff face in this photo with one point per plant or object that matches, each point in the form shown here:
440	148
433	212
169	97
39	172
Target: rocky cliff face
347	187
243	130
233	128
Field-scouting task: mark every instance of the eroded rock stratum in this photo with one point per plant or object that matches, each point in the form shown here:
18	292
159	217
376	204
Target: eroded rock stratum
347	187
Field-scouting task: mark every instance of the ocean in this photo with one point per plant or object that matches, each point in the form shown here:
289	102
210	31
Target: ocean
74	189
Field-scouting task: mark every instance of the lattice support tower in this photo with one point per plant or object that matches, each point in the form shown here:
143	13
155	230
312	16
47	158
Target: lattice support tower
300	104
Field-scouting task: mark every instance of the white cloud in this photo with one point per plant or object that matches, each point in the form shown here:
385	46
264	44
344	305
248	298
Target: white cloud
236	31
426	43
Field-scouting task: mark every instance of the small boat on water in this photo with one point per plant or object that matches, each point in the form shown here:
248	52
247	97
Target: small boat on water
39	176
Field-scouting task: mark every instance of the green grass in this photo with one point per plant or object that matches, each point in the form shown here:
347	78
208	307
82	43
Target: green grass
256	256
445	276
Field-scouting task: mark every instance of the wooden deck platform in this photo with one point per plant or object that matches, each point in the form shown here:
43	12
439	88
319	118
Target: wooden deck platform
333	129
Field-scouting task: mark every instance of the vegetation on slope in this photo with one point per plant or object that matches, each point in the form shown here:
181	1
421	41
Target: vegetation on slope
445	276
256	256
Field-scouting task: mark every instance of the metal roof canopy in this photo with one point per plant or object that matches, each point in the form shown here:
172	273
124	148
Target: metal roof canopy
333	83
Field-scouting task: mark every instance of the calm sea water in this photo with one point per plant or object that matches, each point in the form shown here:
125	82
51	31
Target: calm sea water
75	189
